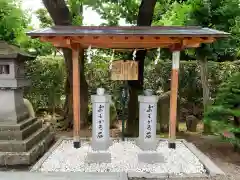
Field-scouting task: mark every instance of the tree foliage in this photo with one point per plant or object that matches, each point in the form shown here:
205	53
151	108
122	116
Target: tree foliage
224	115
44	18
222	15
13	22
114	10
47	77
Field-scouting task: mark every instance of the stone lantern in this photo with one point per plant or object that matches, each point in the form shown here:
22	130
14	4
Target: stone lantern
12	82
22	138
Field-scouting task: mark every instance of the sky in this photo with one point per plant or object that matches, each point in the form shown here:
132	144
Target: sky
90	17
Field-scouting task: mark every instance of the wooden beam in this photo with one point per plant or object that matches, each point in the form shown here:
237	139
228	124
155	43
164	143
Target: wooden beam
125	46
76	95
59	42
123	41
173	98
196	41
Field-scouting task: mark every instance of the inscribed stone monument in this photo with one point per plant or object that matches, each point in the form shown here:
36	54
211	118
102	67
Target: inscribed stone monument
147	128
147	122
100	127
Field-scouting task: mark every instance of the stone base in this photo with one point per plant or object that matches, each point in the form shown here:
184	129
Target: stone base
147	145
26	128
101	145
76	144
24	142
150	157
29	157
98	157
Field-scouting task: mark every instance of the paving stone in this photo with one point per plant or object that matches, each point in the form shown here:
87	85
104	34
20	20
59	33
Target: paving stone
150	157
62	176
98	157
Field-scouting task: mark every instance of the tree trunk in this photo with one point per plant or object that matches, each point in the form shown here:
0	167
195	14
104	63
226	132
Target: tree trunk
145	16
60	14
205	88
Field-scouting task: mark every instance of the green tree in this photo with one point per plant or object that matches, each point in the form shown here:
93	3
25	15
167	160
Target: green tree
13	22
70	13
219	14
222	15
44	18
224	115
114	10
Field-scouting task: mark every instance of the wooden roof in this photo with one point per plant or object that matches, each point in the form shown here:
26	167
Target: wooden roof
120	37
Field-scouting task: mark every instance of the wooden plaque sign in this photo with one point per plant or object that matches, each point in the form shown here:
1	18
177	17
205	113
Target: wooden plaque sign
124	70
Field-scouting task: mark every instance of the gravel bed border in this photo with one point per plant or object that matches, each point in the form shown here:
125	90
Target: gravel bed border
62	176
211	168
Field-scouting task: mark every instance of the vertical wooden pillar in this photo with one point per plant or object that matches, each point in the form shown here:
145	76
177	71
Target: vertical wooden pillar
76	96
173	98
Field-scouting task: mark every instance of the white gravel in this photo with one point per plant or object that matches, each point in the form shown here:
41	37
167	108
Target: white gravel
124	159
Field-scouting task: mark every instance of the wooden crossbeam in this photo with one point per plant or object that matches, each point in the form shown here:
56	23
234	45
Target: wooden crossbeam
121	42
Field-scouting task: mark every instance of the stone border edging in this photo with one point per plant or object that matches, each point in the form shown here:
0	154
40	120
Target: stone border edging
211	168
62	176
39	163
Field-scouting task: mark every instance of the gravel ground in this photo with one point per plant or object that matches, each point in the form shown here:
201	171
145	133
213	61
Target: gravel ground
124	159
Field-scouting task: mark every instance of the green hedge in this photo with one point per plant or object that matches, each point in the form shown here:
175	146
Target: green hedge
47	76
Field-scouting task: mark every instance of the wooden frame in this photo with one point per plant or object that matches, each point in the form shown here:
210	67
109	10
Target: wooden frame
175	38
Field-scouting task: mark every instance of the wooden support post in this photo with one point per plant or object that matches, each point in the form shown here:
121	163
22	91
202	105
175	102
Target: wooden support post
76	96
173	98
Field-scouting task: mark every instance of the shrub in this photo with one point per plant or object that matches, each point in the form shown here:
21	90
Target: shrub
224	115
47	76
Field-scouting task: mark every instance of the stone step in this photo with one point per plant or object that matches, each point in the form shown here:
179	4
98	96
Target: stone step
19	126
21	134
29	157
22	117
24	145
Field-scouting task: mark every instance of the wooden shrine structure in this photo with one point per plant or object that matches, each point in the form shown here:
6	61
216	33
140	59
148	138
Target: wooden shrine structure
131	37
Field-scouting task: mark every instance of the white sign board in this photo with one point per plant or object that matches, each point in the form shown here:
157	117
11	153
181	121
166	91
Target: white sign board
100	116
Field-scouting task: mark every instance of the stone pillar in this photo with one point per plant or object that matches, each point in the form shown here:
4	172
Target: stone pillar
100	127
147	128
147	122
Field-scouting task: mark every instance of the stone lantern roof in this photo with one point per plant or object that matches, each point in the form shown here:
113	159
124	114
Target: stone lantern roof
8	51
